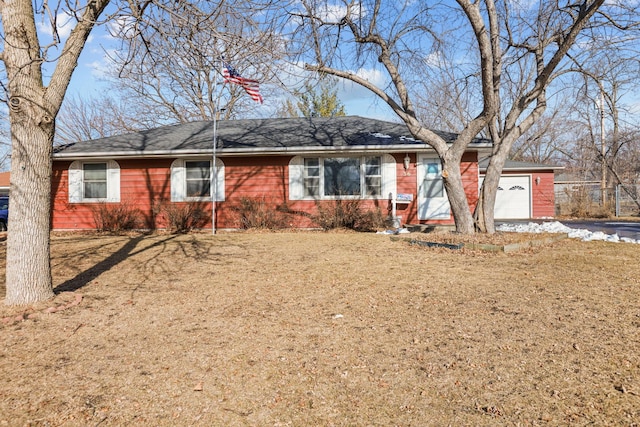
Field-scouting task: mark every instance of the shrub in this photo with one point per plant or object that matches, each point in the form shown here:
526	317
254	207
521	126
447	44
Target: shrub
584	203
256	212
116	217
348	214
183	217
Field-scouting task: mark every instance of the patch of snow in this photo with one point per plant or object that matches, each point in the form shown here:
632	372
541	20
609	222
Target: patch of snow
398	231
407	138
380	135
558	227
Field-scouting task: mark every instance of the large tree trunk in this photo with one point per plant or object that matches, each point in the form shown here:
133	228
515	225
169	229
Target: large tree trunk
457	197
28	268
28	272
484	213
32	112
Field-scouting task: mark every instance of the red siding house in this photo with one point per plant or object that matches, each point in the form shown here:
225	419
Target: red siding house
292	165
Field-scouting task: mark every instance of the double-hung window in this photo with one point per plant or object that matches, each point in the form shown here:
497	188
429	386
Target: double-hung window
198	177
373	176
335	177
94	180
193	180
312	177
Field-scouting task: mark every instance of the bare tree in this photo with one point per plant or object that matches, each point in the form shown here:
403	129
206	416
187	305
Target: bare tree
34	104
549	139
33	107
83	119
537	43
607	82
503	58
172	67
286	109
5	142
396	36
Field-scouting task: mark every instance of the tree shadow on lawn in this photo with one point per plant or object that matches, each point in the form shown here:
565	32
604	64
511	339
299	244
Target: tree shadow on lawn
85	277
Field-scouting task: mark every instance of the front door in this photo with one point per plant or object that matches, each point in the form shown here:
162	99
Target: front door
432	197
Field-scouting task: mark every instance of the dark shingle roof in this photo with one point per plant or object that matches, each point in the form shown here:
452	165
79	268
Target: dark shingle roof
255	135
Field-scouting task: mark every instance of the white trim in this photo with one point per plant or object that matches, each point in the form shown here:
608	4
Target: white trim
179	181
389	176
113	181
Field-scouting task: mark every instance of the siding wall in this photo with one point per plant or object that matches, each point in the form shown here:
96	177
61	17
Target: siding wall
543	195
145	185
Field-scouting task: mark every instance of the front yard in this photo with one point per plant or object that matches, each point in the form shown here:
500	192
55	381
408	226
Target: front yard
312	328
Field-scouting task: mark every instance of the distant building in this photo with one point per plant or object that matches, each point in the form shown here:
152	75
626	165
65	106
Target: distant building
4	183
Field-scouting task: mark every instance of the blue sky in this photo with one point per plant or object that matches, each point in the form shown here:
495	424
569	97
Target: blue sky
89	77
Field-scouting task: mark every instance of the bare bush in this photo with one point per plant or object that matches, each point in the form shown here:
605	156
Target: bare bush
183	217
257	212
116	217
348	214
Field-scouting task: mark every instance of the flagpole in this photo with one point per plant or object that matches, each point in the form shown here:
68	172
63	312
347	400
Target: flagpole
251	88
214	169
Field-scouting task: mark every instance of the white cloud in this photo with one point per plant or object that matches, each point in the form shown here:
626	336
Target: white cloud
435	60
351	90
101	65
64	25
622	3
335	12
122	27
522	5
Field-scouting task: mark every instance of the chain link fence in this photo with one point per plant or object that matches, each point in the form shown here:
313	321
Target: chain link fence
585	200
628	200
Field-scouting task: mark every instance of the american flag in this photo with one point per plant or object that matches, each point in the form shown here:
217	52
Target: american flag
250	86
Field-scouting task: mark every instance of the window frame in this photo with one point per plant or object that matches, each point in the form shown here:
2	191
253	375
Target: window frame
363	176
202	180
76	182
178	172
85	181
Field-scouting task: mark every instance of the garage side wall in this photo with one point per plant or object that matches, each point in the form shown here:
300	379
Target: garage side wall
543	195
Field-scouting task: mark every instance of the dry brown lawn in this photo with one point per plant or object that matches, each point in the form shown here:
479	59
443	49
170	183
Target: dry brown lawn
324	329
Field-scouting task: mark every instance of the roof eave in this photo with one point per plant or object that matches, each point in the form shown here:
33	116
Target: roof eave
123	154
525	168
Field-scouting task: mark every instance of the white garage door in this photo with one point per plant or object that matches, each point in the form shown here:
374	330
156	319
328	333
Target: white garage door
513	200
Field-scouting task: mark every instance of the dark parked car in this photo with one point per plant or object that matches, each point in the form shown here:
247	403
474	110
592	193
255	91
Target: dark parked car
4	212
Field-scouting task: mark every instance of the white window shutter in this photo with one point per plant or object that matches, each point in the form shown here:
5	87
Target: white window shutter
75	182
178	181
113	181
220	193
296	178
389	169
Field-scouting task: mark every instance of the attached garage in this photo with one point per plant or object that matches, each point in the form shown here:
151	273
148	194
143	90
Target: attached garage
525	190
513	200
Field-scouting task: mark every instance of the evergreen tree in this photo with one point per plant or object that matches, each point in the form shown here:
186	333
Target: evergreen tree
322	101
